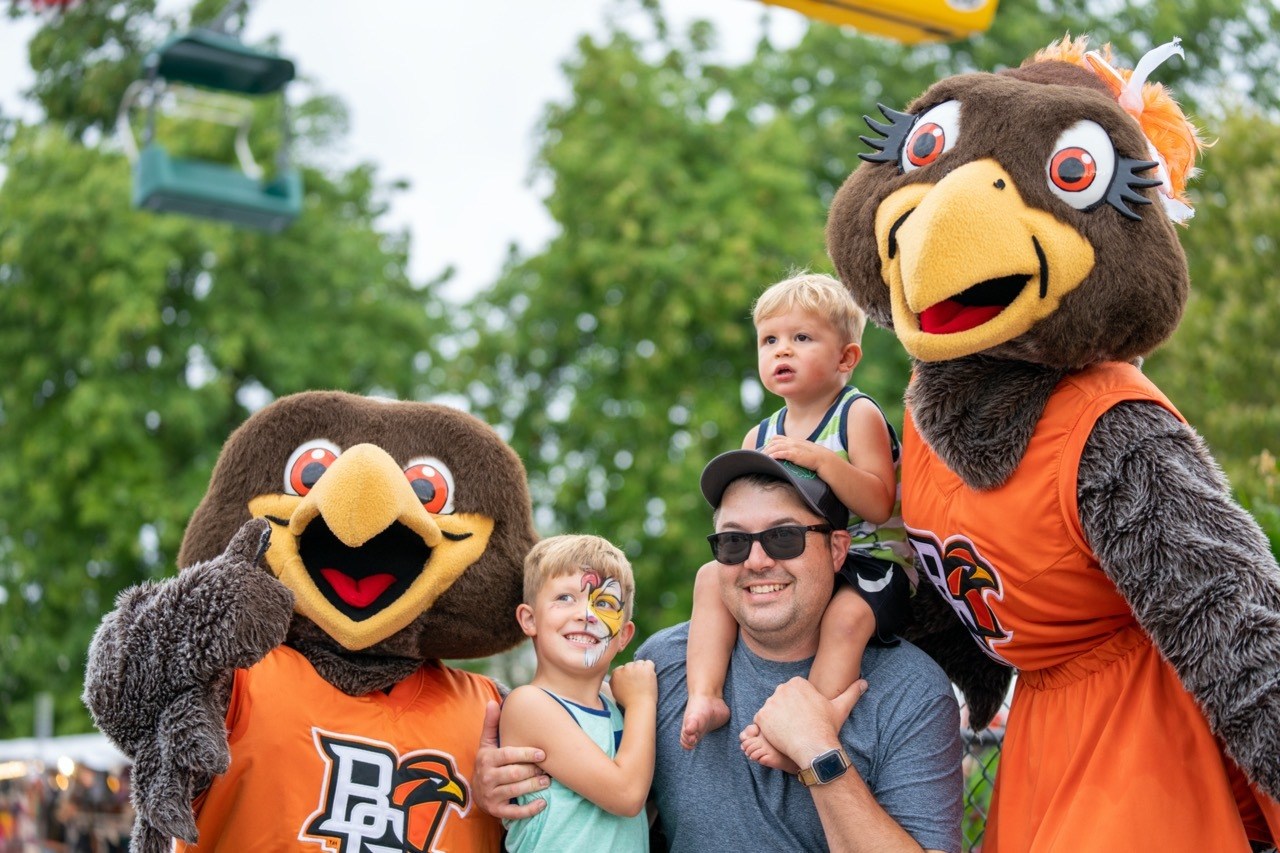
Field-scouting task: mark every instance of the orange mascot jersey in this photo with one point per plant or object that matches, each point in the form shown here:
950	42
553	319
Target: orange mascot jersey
313	769
1104	749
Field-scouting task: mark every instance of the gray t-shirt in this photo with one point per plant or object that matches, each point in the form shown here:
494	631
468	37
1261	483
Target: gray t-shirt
903	738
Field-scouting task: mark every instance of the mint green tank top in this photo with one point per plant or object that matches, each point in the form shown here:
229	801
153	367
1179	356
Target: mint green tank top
886	541
571	822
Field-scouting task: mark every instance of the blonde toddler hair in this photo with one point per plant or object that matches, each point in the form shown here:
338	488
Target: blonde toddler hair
570	553
817	294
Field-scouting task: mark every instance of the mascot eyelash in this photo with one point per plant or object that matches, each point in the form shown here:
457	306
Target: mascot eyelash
1126	184
894	135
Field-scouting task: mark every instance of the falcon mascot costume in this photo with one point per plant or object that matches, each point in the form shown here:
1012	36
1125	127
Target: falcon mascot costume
1015	231
285	689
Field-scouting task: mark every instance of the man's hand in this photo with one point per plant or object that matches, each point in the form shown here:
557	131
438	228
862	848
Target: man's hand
802	723
634	683
504	773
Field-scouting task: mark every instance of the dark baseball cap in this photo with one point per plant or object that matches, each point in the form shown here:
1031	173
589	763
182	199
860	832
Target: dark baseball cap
815	493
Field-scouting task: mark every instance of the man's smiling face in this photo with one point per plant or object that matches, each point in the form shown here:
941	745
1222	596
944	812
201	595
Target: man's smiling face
778	604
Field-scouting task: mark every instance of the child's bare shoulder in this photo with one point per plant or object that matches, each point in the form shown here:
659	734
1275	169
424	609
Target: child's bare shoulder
865	403
525	697
866	416
527	714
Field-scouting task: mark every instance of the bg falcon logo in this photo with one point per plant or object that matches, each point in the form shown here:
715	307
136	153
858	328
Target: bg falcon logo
968	583
376	802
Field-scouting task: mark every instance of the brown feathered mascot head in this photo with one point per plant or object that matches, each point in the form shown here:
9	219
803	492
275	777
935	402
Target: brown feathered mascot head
1025	214
400	527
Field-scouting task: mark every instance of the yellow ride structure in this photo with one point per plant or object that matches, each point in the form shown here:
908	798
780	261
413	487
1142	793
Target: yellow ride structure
906	21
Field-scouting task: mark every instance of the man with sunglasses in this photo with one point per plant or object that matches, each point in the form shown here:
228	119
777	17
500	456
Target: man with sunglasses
884	776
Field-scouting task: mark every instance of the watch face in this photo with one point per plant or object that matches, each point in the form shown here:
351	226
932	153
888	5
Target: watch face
829	766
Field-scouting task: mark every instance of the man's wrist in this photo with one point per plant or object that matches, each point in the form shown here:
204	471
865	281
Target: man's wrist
826	766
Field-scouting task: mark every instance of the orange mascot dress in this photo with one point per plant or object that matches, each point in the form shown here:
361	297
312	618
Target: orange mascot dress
1081	759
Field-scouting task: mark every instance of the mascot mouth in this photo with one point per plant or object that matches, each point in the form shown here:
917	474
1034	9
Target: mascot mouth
973	307
359	582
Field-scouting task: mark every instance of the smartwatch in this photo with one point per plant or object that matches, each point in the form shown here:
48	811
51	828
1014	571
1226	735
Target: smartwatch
827	767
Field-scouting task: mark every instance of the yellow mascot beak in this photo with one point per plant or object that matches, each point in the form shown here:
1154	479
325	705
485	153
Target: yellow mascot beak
360	552
970	265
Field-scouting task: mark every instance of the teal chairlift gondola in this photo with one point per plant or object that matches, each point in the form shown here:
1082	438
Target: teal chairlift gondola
209	75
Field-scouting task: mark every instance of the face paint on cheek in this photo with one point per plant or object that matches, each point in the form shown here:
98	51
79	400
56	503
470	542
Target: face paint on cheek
604	613
606	603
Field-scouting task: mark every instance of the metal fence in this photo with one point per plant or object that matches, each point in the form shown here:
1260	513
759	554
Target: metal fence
980	760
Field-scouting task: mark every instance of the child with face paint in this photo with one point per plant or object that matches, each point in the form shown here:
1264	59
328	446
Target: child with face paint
578	595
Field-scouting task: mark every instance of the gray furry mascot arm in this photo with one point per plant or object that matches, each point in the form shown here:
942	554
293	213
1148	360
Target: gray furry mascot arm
160	672
1197	569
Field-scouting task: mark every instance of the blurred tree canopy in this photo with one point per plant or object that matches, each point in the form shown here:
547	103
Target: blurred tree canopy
134	343
617	360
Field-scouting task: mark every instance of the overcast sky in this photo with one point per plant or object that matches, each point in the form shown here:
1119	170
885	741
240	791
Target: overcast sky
446	95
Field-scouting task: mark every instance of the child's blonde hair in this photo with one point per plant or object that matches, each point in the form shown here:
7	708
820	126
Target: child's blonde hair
557	556
817	294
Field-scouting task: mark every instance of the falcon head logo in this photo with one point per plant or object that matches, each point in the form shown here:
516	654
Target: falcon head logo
968	577
969	583
424	787
374	800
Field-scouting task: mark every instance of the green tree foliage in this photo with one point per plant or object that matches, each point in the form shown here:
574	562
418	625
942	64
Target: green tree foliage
84	59
616	357
1222	367
134	344
620	358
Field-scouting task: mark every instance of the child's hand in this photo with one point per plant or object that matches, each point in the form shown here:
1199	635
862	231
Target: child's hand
634	683
797	451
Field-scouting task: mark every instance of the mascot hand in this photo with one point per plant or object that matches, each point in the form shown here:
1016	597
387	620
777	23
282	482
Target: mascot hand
160	673
243	611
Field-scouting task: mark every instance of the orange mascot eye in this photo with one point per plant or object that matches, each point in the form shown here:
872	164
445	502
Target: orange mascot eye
432	486
306	465
926	144
1073	169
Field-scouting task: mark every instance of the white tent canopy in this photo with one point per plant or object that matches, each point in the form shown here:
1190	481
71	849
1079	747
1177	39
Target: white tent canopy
92	750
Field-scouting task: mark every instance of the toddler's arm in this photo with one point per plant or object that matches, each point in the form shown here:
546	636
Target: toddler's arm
867	484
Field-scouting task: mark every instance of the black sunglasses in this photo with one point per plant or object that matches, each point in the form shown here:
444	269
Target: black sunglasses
780	543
